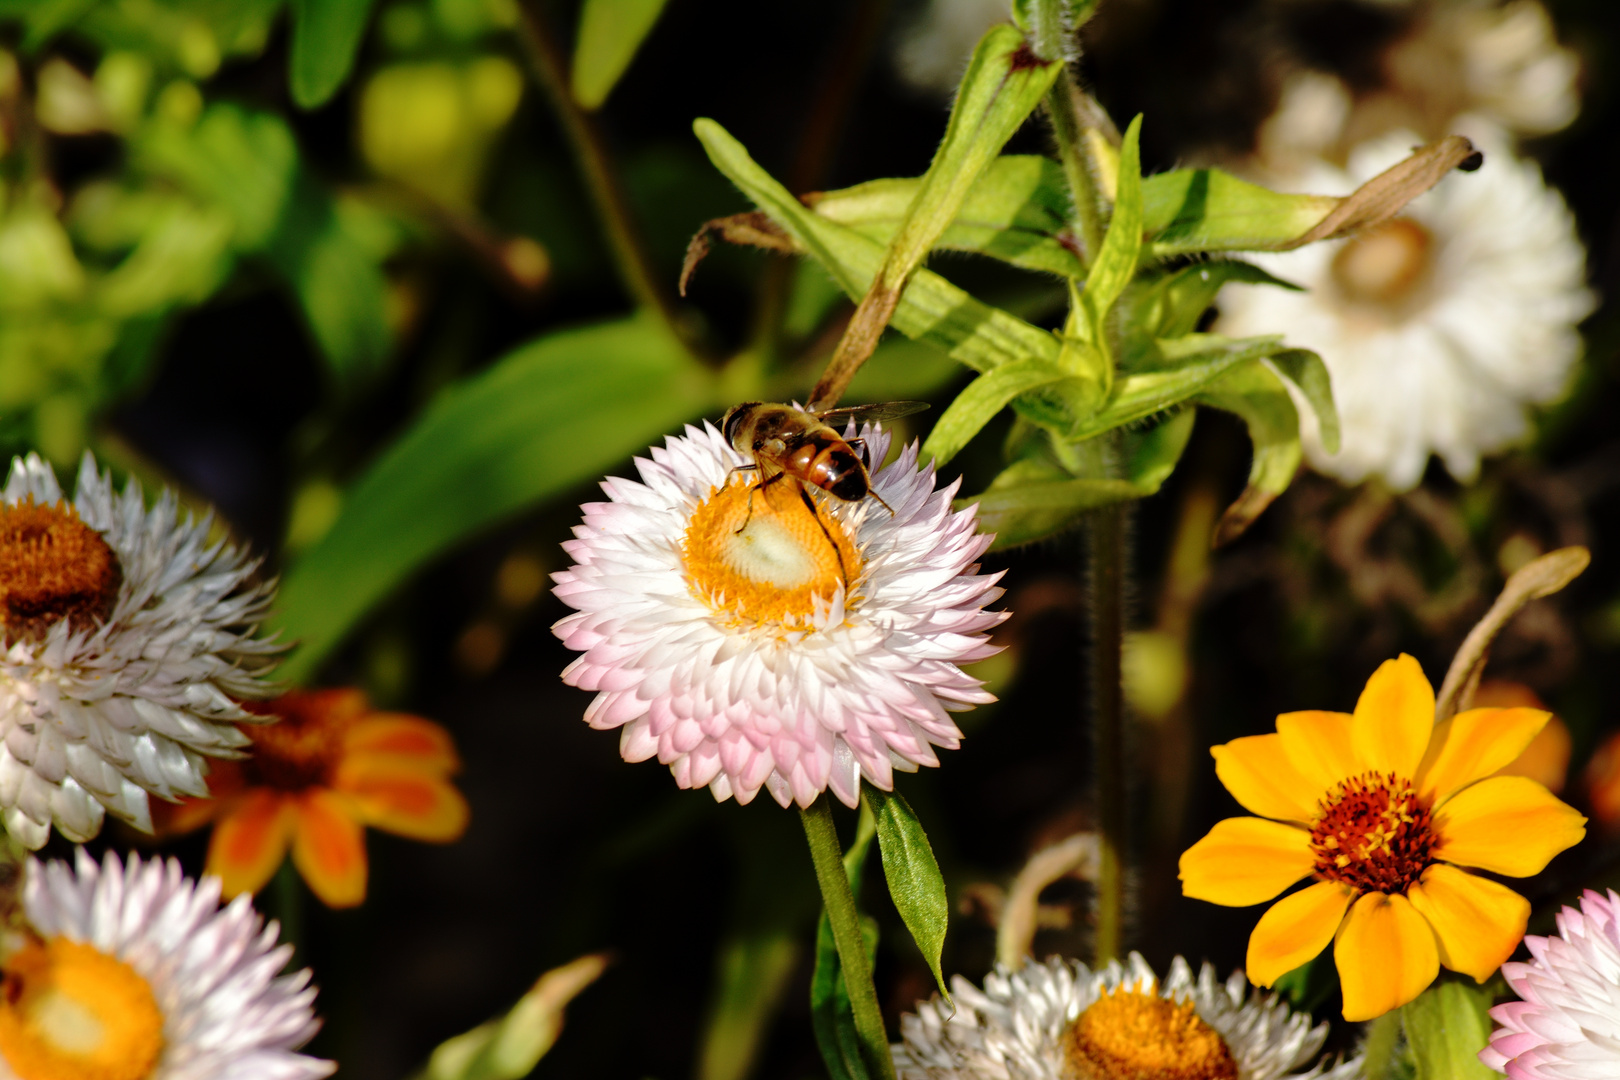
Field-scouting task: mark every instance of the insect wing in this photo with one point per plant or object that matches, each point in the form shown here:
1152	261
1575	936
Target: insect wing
871	414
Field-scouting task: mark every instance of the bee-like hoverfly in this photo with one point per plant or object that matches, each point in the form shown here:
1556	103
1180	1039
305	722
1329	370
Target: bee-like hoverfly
807	447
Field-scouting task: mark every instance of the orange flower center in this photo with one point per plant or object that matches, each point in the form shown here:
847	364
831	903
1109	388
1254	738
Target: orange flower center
1373	833
764	555
71	1012
304	747
1132	1035
52	567
1383	264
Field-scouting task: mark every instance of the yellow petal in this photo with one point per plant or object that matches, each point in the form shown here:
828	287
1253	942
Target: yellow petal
329	848
1478	922
1386	954
250	840
1318	746
1507	825
1295	929
1245	861
1256	771
1474	744
1394	718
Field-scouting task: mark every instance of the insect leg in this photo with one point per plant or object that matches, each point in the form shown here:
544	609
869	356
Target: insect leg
735	469
880	501
761	486
838	553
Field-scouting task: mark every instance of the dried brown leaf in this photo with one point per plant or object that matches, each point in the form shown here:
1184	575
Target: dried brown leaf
1386	194
753	229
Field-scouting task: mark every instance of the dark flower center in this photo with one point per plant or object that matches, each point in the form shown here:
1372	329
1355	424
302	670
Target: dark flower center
304	747
53	567
1374	834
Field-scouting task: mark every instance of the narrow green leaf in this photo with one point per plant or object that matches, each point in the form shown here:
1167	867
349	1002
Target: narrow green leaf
1191	210
610	32
1116	260
1306	370
325	40
550	415
509	1047
915	883
931	309
1173	305
1256	395
1151	455
1192	363
1021	513
983	398
1446	1028
831	1018
755	969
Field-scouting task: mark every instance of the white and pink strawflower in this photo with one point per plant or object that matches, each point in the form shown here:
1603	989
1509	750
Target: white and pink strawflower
1567	1025
132	971
747	641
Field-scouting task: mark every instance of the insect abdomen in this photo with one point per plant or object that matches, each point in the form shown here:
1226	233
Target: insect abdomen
838	471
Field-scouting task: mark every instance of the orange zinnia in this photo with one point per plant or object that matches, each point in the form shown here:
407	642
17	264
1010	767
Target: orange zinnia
327	768
1380	809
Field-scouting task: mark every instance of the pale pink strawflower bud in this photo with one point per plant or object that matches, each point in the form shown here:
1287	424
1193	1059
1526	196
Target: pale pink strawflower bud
746	641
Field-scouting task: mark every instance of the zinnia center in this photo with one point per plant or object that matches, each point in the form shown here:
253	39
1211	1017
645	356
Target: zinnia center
1384	263
52	567
1373	833
303	748
1132	1035
72	1012
768	554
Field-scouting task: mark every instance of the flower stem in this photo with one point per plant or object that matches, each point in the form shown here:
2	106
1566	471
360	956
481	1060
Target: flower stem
289	906
1105	558
846	928
590	149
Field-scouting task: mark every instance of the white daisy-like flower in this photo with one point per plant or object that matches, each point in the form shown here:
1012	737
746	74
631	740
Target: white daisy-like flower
1567	1025
1062	1021
1440	327
131	971
127	635
746	641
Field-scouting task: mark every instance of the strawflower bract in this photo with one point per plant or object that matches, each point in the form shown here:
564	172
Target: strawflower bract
1062	1021
329	768
1567	1025
131	971
128	645
1382	810
747	642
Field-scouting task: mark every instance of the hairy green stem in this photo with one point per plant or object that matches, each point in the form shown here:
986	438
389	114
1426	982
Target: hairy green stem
601	177
846	929
1065	107
1105	560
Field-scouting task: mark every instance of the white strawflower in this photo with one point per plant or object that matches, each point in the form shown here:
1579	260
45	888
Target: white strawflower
1062	1021
1567	1024
133	972
747	642
1441	327
127	635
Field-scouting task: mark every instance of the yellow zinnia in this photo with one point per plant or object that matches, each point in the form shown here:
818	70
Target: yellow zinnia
1380	809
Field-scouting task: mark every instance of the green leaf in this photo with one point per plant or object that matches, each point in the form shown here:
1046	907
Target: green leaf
1306	370
983	398
1385	1054
1446	1028
1116	259
1016	211
1152	455
610	32
931	309
1256	394
1173	305
509	1047
915	883
244	161
1191	210
325	39
754	971
831	1018
550	415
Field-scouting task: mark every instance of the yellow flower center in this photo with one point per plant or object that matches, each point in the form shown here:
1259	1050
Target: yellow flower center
52	567
1384	263
765	555
304	747
71	1012
1133	1035
1373	833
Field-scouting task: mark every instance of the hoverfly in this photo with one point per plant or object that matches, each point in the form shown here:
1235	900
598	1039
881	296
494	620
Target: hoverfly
806	448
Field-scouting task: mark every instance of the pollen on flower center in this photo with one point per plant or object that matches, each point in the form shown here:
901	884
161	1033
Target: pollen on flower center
1134	1035
1384	263
303	747
764	555
72	1012
52	567
1373	833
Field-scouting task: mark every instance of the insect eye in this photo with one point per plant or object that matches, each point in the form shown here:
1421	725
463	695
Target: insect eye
733	417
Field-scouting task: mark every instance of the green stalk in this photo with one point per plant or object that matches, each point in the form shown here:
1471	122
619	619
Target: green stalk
846	929
1063	105
289	906
1105	564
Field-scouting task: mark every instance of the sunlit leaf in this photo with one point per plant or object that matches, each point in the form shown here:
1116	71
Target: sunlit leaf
983	398
1191	210
1306	370
610	32
831	1017
1446	1028
1189	364
912	873
548	416
509	1047
1256	395
325	39
1116	259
